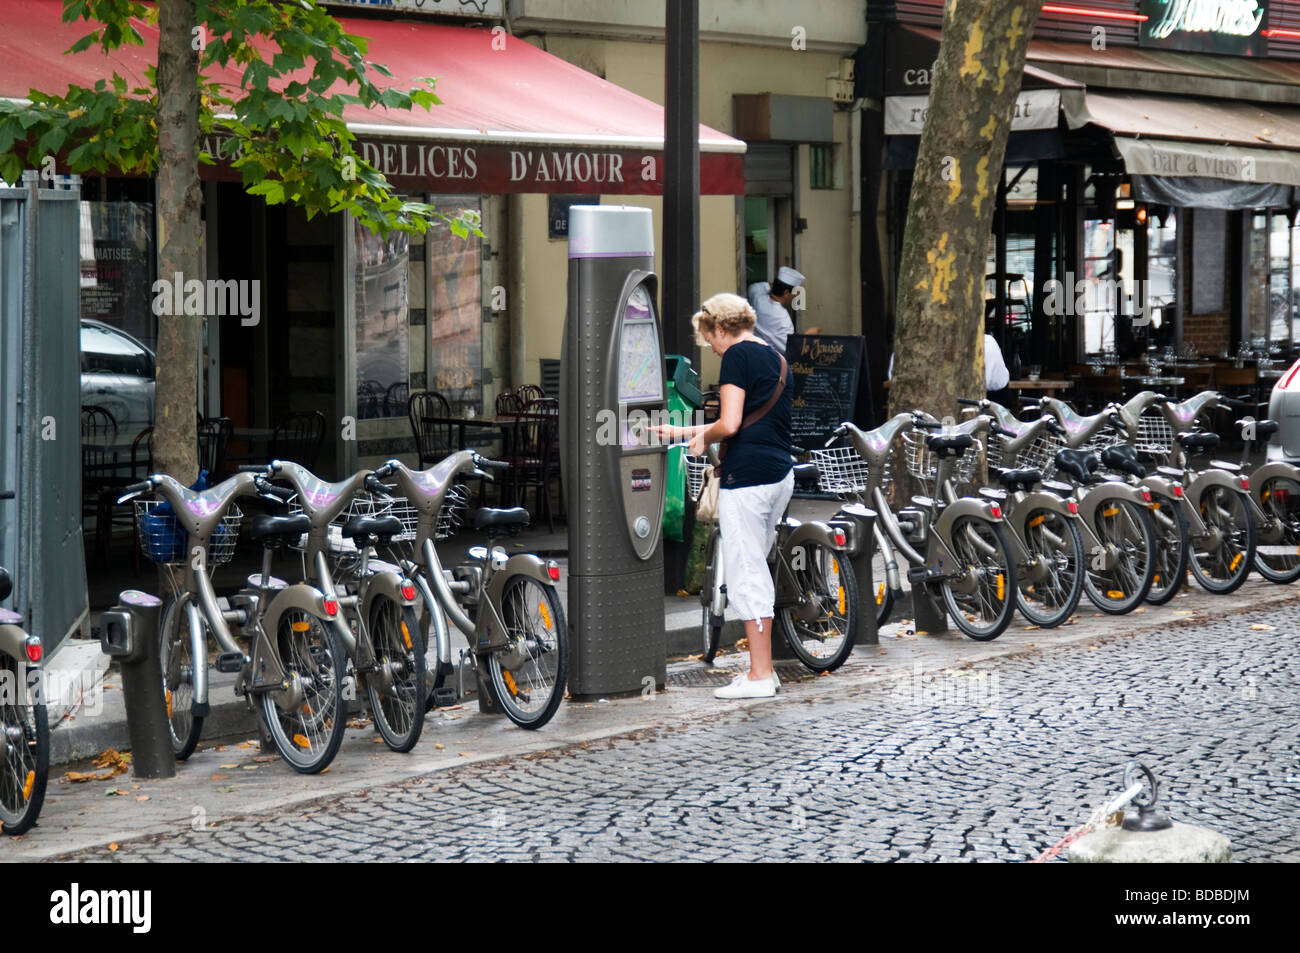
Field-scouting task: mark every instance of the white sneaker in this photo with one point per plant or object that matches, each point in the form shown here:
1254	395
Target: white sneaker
742	686
776	680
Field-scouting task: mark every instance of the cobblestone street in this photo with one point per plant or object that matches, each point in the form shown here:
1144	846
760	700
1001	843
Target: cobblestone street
992	763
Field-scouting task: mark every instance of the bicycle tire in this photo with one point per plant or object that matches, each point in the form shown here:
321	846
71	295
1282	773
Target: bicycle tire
308	738
538	650
828	610
25	770
997	573
1063	563
711	624
1279	497
174	648
1172	544
1130	529
398	709
1241	549
434	676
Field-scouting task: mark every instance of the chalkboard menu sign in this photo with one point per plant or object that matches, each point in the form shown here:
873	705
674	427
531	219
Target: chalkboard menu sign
827	373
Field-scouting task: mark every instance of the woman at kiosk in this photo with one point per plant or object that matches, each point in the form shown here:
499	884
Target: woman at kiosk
757	479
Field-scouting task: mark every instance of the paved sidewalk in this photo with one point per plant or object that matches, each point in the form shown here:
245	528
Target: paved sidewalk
223	782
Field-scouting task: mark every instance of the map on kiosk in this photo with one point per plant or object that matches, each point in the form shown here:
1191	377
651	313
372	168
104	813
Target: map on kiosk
640	363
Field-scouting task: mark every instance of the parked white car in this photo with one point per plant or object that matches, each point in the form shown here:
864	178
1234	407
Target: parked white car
117	373
1284	407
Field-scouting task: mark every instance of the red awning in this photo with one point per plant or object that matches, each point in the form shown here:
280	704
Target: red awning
514	118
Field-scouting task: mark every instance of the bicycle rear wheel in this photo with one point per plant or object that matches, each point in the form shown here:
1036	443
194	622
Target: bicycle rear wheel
982	599
176	658
1277	555
1171	549
1051	587
821	627
1119	575
307	723
24	749
710	624
530	673
1222	560
397	688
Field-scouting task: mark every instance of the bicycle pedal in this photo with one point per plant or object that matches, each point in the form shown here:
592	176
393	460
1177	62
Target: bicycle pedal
444	697
920	575
231	663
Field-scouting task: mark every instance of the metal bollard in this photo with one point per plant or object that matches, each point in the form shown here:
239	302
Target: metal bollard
128	632
859	523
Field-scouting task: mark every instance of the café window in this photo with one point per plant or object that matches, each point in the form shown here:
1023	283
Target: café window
1274	282
455	309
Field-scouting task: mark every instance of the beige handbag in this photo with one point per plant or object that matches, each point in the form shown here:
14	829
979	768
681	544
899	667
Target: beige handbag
706	507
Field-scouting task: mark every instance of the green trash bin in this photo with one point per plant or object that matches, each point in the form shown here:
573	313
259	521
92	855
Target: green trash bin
684	399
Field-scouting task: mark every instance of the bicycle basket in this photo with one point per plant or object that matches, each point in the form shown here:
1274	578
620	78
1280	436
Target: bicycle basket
923	463
1039	453
163	541
696	467
1155	436
840	470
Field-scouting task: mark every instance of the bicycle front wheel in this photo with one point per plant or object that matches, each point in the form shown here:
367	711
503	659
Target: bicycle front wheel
982	598
25	741
1277	557
1223	557
530	672
1121	569
397	687
884	596
1171	549
1051	586
306	722
176	658
821	626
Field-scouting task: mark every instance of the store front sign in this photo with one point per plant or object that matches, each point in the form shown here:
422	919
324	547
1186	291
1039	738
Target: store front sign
1208	161
493	169
478	9
1205	26
1035	109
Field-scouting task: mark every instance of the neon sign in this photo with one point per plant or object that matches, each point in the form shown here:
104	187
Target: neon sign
1210	26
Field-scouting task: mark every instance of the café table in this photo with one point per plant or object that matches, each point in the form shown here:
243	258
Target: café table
1048	387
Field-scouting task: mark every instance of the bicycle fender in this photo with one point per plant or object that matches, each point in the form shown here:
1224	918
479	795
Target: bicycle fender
267	672
388	584
521	564
1208	478
966	506
1107	493
1274	470
13	642
1039	500
815	531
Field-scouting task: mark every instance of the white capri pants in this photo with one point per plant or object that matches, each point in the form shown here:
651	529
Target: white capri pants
747	517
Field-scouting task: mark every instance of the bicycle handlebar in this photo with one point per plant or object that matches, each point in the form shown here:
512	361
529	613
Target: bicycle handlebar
970	402
486	464
6	494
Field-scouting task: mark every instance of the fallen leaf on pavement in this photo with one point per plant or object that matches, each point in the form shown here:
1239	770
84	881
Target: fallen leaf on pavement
682	593
229	790
112	791
251	767
221	777
358	723
883	652
113	846
228	766
439	745
464	754
142	797
1260	627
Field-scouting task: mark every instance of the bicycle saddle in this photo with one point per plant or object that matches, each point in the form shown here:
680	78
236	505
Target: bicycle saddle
1023	478
1184	415
1198	440
874	445
1263	430
1078	464
380	527
1123	459
806	474
6	584
278	528
949	443
501	519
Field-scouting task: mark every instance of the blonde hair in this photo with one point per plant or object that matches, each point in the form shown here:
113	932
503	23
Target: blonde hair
725	312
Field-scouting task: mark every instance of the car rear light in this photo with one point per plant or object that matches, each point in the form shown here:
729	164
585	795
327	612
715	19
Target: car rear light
1178	490
995	511
1073	507
1287	378
840	538
553	570
331	607
1146	495
408	590
34	650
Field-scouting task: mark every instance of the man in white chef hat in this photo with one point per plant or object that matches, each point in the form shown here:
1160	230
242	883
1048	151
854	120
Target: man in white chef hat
771	303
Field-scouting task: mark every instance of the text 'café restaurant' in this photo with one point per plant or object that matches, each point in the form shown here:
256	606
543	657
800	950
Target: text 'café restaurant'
1147	226
352	324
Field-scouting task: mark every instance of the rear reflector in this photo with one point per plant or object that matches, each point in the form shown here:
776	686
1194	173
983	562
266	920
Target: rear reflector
553	570
1146	496
1245	483
34	650
408	591
1178	490
995	511
1073	507
840	538
331	607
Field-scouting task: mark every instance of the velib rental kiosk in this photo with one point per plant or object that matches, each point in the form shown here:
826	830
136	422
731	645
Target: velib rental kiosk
612	368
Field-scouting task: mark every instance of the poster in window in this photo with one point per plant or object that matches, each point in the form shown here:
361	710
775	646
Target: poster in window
117	266
456	310
382	312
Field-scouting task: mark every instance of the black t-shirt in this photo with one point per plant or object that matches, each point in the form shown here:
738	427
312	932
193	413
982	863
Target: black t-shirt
763	452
